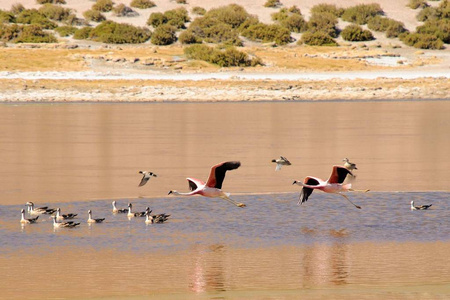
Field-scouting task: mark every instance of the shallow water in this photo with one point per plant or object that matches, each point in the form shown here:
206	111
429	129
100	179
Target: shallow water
82	156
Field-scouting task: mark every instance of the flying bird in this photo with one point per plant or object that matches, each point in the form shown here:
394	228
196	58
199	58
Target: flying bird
349	165
282	161
422	207
213	187
91	220
27	221
334	184
146	176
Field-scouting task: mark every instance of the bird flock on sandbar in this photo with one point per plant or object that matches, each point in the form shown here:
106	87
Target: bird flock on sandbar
212	188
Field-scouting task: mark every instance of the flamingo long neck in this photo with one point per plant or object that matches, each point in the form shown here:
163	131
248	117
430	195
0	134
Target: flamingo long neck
183	194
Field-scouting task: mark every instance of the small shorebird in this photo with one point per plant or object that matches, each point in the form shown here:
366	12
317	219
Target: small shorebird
213	187
118	210
27	221
422	207
69	224
282	161
131	214
146	176
333	185
90	220
349	165
39	210
60	217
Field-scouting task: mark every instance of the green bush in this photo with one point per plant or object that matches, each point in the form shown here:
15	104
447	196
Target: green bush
428	13
295	23
437	28
181	1
273	3
414	4
281	15
422	41
82	33
33	16
142	4
324	22
164	35
360	14
35	34
198	10
55	12
94	15
392	27
51	1
188	37
221	33
229	57
327	8
355	33
117	33
268	33
6	17
65	30
75	21
17	8
9	32
156	19
177	17
232	14
122	10
317	39
295	10
103	5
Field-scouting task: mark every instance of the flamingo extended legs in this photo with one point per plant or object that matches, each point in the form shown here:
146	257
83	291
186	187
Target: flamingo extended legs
357	206
238	204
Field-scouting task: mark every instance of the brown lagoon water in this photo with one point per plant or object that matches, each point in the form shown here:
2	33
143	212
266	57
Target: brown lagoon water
81	156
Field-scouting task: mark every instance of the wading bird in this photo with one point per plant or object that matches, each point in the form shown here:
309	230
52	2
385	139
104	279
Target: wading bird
118	210
422	207
333	185
146	176
39	210
349	165
91	220
27	221
60	217
213	187
282	161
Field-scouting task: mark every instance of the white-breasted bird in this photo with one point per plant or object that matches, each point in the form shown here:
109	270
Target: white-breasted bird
69	224
349	165
118	210
91	220
60	217
422	207
146	175
38	210
282	161
23	220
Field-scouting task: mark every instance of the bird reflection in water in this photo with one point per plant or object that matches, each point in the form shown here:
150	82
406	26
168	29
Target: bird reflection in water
208	270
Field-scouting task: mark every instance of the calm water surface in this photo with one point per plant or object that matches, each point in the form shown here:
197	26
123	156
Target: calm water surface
82	156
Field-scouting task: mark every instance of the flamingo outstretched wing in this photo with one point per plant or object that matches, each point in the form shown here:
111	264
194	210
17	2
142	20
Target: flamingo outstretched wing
307	191
194	184
217	174
338	174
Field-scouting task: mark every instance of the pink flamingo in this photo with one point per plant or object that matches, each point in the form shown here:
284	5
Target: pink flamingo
333	185
212	188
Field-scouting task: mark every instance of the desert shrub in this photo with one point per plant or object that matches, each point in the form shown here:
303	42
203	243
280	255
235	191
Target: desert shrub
156	19
73	20
268	33
392	27
198	10
251	20
360	14
103	5
9	32
324	22
181	1
437	28
51	1
117	33
188	37
33	16
82	33
17	8
35	34
55	12
273	3
232	14
428	13
295	10
164	35
422	41
317	39
142	4
414	4
94	15
281	15
327	8
295	23
122	10
228	57
66	30
355	33
177	17
6	17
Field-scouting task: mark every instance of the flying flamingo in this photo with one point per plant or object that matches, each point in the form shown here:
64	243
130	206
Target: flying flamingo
334	185
212	188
